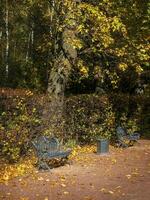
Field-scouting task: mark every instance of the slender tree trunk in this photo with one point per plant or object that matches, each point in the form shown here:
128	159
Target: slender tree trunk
0	34
32	36
32	40
28	47
1	46
15	47
7	39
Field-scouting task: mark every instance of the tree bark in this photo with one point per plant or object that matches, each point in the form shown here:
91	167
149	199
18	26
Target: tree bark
28	47
62	54
7	38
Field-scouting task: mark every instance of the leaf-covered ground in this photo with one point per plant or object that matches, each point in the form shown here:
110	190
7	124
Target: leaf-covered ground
121	175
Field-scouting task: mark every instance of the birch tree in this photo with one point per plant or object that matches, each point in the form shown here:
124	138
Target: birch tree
7	37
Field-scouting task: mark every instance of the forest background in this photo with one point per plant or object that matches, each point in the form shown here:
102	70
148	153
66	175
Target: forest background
73	69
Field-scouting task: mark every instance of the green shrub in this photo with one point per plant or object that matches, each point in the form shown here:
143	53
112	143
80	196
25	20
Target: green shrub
89	117
132	111
84	118
71	143
17	125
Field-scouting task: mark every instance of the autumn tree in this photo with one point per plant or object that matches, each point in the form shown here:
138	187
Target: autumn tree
112	40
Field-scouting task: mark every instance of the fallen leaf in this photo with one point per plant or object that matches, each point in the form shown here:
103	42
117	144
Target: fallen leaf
118	187
135	173
63	185
24	198
88	198
103	190
40	179
113	160
65	192
110	192
128	176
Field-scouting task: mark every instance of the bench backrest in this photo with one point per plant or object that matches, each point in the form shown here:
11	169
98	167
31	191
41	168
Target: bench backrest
45	144
53	144
121	132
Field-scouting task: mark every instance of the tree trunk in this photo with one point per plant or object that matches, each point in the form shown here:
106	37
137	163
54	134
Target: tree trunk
7	39
0	34
1	46
28	47
58	77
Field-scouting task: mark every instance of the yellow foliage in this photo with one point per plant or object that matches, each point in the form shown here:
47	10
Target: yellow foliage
77	151
29	93
123	66
139	69
84	70
10	171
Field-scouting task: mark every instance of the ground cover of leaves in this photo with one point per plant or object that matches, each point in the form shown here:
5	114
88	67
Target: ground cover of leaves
124	174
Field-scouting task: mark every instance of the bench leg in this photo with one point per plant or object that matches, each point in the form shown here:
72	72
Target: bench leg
131	143
63	160
70	162
122	144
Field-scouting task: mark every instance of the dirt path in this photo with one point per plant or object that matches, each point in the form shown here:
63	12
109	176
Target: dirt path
122	175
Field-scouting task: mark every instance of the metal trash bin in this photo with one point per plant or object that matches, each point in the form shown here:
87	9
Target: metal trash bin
102	146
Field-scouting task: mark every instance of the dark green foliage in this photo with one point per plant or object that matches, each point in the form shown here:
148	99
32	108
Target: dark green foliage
132	111
89	117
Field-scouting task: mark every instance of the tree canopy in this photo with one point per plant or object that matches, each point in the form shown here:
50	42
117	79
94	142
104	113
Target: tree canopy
110	38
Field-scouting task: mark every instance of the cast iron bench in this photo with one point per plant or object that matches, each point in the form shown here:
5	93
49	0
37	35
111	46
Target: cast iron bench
47	149
124	139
